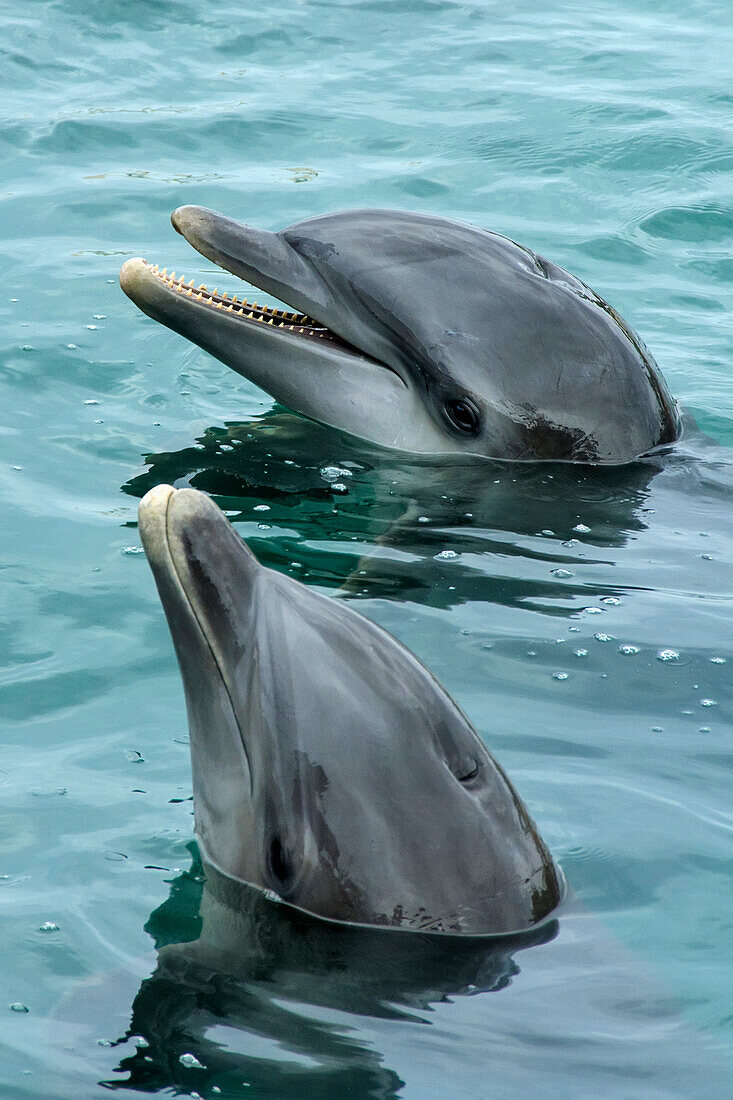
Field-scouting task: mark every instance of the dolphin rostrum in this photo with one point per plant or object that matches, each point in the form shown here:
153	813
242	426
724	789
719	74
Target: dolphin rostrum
419	333
329	766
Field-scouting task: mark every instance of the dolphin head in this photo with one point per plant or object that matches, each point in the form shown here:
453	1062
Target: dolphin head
422	334
329	766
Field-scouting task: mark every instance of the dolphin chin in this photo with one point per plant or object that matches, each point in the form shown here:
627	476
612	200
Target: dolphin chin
329	766
419	333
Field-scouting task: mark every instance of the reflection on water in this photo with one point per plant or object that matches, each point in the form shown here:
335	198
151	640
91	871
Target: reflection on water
242	995
423	521
248	995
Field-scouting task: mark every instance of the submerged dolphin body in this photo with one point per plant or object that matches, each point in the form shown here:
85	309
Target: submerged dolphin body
419	333
328	765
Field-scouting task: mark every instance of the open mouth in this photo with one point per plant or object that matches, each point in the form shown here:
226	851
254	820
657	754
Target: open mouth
298	324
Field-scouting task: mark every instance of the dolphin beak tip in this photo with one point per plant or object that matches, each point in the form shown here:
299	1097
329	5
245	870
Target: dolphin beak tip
132	274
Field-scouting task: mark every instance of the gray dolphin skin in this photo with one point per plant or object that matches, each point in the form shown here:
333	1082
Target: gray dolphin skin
421	334
329	766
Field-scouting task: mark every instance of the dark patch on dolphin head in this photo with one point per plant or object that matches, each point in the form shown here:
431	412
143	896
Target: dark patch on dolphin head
544	439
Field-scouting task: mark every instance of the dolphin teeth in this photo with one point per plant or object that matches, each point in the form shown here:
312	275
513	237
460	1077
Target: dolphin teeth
225	296
218	305
190	282
202	286
155	270
199	297
250	314
230	309
164	272
189	293
271	321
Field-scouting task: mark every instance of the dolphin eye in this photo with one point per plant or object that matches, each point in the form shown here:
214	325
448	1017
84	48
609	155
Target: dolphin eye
280	864
463	414
468	773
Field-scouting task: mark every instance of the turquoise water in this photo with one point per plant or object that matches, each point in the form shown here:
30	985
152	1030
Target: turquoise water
596	663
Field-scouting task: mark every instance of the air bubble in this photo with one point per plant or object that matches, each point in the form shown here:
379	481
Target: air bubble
261	508
130	550
49	926
708	703
559	675
91	401
423	519
561	573
581	652
603	637
717	660
333	473
610	601
190	1061
668	655
134	757
446	555
593	610
581	529
339	487
16	1006
628	650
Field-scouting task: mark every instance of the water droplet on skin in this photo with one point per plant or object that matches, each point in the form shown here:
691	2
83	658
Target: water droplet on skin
704	729
574	629
261	508
91	401
546	531
628	650
49	926
16	1006
134	757
610	601
100	316
140	1042
104	1042
581	529
559	675
593	610
130	550
423	519
657	729
708	557
190	1061
571	542
445	555
71	347
708	703
339	487
717	660
561	573
603	637
668	655
581	652
465	631
531	652
264	527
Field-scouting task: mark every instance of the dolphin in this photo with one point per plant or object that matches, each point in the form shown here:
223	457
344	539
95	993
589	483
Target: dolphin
419	333
329	767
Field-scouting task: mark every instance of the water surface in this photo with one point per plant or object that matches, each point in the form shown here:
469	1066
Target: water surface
582	618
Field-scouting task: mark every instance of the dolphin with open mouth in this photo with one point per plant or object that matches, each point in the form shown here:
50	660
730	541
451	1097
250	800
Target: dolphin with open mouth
329	766
421	334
